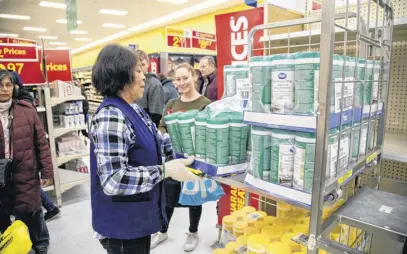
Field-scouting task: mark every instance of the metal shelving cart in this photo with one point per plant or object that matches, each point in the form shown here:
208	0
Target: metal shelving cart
362	30
63	179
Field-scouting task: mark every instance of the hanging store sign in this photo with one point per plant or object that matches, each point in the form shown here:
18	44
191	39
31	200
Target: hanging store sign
18	52
16	41
232	29
71	15
58	67
203	40
187	38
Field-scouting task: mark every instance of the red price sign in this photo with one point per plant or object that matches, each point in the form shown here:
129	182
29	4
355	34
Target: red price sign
21	41
178	41
203	44
18	52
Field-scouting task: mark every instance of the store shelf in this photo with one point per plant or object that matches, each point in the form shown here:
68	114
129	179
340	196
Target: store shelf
302	37
395	147
69	179
95	101
379	212
58	100
59	131
40	109
64	159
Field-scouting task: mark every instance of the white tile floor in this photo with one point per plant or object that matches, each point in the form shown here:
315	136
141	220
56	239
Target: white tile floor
72	231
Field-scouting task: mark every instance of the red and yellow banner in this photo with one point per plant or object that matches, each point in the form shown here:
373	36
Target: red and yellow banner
58	63
186	38
18	52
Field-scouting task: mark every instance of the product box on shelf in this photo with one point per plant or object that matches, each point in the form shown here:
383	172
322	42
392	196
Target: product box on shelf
214	170
61	89
71	145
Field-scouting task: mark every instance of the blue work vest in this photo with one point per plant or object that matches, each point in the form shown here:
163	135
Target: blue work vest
132	216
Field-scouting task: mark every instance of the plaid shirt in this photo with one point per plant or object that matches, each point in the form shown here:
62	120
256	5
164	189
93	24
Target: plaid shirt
112	135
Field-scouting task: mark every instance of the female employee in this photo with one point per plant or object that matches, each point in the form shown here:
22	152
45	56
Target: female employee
126	156
185	78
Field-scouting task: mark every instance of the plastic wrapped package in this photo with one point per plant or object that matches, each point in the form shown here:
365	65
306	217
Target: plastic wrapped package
217	141
307	66
235	76
260	68
304	161
282	157
186	132
282	83
261	151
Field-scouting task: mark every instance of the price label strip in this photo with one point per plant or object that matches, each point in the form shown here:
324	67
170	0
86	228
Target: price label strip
371	157
301	239
345	177
241	250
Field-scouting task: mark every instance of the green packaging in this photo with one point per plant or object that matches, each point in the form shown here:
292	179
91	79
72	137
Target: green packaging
217	141
307	65
186	128
282	157
171	121
261	148
234	76
304	161
282	83
238	138
200	135
260	68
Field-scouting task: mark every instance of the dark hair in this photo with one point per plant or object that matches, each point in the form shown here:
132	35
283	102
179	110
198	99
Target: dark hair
6	73
141	55
113	69
162	77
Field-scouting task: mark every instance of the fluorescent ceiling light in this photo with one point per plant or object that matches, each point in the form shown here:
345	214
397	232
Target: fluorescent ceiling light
177	15
159	21
53	5
12	16
78	32
49	37
83	39
36	29
110	25
173	1
64	21
57	43
113	12
8	35
101	41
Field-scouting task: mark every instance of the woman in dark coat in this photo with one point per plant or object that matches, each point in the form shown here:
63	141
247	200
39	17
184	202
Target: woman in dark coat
23	140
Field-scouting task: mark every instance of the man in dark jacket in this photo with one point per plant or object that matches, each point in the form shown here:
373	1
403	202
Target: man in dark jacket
170	92
208	82
153	98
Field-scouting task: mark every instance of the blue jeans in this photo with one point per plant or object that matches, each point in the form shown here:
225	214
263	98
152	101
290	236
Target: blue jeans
37	228
47	202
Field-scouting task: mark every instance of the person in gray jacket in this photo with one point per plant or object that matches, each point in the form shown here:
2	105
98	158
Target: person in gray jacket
170	92
153	98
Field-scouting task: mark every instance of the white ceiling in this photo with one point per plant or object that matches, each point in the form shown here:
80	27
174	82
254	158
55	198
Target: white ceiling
140	12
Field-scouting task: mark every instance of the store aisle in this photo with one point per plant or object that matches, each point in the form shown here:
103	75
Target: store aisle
72	231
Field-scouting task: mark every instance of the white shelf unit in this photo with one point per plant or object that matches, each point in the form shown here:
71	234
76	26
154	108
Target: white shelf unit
395	147
63	179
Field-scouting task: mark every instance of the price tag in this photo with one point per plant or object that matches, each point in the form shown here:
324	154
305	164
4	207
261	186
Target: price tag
371	157
301	239
345	177
254	216
241	250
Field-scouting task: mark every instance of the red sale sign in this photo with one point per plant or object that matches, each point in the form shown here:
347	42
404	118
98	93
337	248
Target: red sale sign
18	52
234	200
58	64
232	29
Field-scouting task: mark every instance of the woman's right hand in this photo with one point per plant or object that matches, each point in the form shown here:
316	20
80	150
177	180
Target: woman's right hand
177	170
